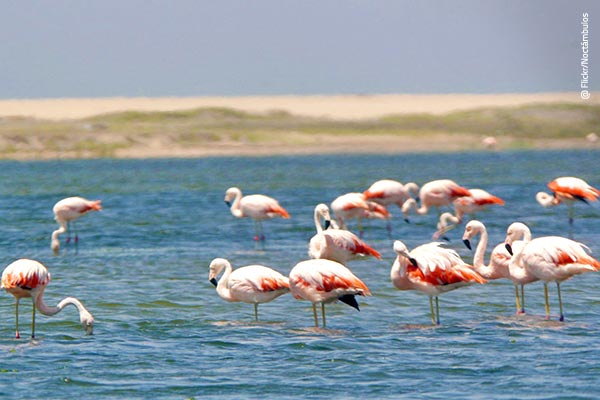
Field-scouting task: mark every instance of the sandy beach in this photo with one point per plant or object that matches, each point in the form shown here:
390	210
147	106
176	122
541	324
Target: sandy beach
350	107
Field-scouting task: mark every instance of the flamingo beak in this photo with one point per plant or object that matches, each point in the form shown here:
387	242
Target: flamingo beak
213	281
228	203
413	262
467	243
509	248
327	224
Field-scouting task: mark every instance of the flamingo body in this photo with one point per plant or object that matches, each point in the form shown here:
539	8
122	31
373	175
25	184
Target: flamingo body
431	269
335	244
387	192
254	284
29	278
355	206
256	206
325	281
477	201
438	193
68	210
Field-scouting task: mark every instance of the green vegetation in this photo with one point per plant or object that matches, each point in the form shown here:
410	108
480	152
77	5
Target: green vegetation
157	133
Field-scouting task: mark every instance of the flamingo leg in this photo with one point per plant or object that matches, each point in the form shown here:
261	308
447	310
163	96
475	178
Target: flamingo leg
547	303
562	316
315	315
437	310
431	310
323	313
256	312
33	321
68	233
571	219
523	299
17	335
517	299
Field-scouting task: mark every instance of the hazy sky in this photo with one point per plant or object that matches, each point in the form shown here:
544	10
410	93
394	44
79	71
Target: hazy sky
81	48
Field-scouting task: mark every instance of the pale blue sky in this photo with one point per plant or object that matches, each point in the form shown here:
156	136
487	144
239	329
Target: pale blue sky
81	48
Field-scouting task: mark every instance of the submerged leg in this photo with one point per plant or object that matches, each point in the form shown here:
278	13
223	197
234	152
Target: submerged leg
431	310
256	312
547	303
523	299
562	316
17	335
315	315
519	307
437	310
571	219
323	314
33	321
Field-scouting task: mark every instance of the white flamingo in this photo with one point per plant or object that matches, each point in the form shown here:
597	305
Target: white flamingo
68	210
29	278
254	284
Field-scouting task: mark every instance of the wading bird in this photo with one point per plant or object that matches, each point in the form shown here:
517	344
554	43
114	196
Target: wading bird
29	278
336	244
552	259
258	207
567	189
67	211
354	206
325	281
438	193
387	192
433	270
254	284
500	260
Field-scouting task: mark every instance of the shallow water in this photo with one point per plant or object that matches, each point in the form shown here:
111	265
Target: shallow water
161	330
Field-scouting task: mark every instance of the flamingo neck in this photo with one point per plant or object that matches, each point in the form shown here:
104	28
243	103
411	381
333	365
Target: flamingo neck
318	222
235	206
412	189
50	310
478	261
411	204
223	285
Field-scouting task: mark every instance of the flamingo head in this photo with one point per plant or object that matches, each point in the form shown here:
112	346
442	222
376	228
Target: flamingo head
402	251
515	231
216	267
87	321
231	194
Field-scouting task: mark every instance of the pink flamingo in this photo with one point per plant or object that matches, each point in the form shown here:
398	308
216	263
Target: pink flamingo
387	192
433	270
256	206
29	278
438	193
68	210
500	259
354	206
325	281
254	284
335	244
552	259
567	189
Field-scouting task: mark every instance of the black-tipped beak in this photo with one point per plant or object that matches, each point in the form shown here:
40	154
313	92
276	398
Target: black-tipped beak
467	243
509	249
228	203
413	262
327	224
214	282
407	220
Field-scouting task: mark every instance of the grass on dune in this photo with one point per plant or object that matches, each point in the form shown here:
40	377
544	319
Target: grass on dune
104	135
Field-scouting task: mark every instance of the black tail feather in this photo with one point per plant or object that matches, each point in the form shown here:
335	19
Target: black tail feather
350	300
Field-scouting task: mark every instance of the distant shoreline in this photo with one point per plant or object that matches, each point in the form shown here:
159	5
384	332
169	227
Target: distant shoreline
350	107
293	125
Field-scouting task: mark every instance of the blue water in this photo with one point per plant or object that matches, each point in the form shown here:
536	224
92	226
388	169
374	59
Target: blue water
161	330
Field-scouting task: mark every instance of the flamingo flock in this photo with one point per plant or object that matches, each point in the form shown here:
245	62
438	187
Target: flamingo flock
324	277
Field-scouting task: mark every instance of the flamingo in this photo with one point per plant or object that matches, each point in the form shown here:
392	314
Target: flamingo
387	192
253	284
499	266
68	210
552	259
256	206
354	206
438	193
433	270
334	244
29	278
325	281
567	189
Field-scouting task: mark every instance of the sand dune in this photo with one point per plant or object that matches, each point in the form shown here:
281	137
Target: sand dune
337	107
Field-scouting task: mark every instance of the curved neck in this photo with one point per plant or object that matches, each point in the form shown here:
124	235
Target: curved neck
318	221
412	204
478	262
223	285
235	206
412	189
49	310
